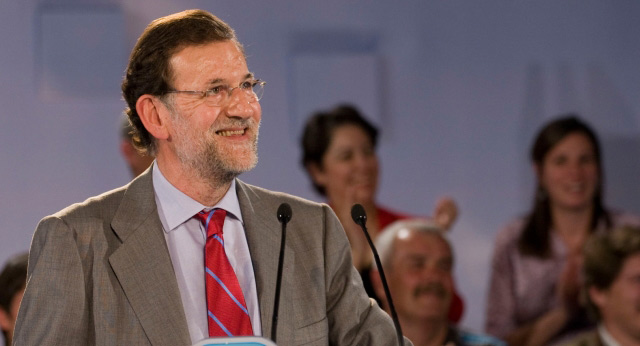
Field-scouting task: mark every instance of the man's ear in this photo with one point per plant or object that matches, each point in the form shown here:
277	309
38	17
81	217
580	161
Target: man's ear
153	116
5	320
597	296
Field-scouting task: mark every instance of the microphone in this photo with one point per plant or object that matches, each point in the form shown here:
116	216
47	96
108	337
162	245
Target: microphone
359	216
284	216
284	213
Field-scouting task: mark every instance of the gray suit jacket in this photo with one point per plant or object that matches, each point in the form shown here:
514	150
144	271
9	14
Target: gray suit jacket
100	274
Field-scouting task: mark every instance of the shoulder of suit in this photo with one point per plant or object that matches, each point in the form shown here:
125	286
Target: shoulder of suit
105	204
94	206
276	196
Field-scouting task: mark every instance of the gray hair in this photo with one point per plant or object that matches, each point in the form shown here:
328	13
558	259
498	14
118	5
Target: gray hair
384	242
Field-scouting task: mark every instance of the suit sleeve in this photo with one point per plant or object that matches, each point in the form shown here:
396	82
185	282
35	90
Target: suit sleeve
354	319
54	309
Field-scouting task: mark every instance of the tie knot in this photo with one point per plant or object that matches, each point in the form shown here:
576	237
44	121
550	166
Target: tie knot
212	220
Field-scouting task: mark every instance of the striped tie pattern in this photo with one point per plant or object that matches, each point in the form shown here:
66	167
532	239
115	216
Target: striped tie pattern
226	308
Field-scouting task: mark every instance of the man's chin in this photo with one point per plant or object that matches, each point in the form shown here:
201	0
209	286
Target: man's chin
224	171
432	300
245	165
235	169
430	314
238	159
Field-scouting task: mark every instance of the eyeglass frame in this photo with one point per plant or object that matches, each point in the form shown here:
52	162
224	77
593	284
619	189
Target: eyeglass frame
204	94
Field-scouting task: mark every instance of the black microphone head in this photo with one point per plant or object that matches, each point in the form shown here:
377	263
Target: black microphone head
284	213
358	214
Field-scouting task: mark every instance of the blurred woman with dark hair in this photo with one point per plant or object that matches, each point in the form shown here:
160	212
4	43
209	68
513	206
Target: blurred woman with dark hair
534	289
339	154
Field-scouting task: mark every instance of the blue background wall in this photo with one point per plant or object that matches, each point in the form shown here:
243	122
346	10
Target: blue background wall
458	87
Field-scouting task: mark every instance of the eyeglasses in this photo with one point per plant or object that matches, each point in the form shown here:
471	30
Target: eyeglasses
220	94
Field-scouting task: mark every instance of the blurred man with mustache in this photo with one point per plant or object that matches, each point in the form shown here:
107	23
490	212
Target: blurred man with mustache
418	262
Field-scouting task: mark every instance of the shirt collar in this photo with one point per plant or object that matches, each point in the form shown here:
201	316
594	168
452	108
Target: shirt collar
178	208
606	337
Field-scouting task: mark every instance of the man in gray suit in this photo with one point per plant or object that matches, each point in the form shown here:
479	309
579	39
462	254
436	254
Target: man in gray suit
127	267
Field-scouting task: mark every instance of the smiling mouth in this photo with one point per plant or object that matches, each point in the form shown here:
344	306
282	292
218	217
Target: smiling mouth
576	188
228	133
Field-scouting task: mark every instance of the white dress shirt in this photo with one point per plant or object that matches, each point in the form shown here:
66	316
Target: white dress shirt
606	337
186	238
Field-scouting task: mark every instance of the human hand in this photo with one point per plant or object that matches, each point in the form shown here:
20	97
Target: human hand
445	212
570	281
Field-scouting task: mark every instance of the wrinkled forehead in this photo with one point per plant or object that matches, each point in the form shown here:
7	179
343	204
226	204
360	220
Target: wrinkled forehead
219	60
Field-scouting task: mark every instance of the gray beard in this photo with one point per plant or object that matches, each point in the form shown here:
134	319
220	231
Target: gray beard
210	164
211	168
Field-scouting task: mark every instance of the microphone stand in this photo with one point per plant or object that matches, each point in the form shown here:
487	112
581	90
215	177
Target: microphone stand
360	218
284	216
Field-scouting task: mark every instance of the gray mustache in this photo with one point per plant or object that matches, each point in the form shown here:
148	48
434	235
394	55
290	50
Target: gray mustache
234	122
431	288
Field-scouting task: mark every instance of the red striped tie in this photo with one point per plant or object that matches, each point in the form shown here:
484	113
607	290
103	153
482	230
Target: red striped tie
226	308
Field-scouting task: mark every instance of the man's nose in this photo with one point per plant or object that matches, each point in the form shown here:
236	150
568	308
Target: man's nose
433	273
239	104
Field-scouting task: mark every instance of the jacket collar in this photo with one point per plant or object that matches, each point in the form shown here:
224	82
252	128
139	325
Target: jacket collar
143	267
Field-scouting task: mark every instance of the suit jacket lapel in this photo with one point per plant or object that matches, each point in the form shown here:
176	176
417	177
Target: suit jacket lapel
143	266
263	232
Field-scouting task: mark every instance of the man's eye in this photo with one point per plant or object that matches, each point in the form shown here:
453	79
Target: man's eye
415	265
216	90
246	85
